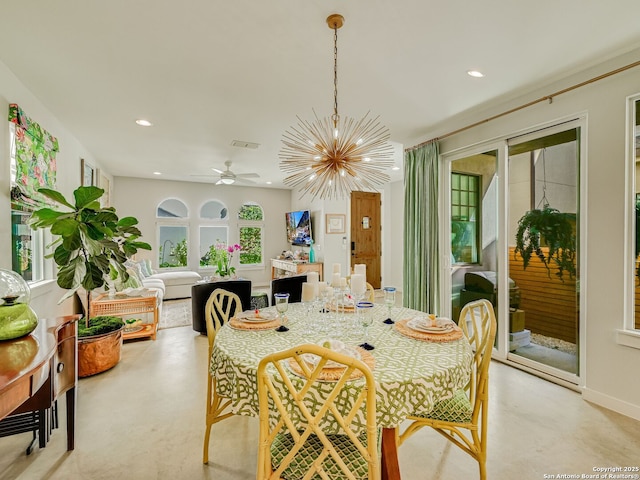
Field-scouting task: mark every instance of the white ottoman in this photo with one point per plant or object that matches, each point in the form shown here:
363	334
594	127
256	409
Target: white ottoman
177	284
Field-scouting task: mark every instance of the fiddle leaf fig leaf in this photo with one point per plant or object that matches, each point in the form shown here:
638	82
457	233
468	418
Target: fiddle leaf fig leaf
86	196
55	196
64	227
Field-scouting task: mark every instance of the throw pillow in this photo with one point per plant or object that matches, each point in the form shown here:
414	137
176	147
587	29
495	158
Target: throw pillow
144	268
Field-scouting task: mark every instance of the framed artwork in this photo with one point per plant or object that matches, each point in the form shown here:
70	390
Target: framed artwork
105	184
87	174
335	222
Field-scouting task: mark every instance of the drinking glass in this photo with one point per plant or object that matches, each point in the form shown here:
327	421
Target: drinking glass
308	299
389	301
282	305
364	312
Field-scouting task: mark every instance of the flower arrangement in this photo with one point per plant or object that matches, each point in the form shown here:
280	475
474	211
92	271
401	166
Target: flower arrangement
222	256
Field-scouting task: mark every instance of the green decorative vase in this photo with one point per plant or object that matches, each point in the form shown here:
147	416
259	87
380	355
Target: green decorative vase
17	319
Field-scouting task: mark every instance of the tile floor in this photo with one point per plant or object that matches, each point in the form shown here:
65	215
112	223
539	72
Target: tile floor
144	420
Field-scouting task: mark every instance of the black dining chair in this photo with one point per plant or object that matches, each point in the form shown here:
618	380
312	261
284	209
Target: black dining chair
291	285
200	293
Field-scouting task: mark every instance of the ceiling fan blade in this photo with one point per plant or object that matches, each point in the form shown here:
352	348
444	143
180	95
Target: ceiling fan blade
247	175
217	171
245	180
219	182
203	175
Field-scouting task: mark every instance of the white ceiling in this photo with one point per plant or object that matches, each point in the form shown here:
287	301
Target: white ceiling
210	72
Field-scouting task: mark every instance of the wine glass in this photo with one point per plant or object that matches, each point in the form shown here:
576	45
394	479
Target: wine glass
365	316
282	305
389	301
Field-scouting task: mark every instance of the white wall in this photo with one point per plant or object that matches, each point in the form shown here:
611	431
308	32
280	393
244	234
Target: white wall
611	369
129	201
44	295
336	247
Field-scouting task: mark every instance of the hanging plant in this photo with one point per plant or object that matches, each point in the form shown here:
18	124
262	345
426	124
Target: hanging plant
552	229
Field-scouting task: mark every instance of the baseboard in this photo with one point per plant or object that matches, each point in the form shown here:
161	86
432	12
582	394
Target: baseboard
611	403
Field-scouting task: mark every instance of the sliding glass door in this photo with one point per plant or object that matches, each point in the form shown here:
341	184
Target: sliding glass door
543	249
511	234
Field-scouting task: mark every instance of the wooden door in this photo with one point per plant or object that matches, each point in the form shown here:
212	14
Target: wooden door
366	232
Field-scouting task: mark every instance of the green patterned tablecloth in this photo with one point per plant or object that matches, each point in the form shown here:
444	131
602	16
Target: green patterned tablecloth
411	375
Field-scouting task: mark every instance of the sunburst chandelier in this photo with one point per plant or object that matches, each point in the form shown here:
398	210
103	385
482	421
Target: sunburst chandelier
333	156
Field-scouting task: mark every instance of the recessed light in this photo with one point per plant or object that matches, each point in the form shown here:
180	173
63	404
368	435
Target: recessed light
144	123
157	173
475	73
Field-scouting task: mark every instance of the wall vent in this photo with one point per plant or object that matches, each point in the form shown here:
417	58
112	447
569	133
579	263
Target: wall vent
243	144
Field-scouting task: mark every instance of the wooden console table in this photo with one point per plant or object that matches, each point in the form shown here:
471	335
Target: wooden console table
284	268
37	368
121	306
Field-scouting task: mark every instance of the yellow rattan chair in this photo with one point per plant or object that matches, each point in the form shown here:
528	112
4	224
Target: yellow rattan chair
371	293
293	442
463	418
220	307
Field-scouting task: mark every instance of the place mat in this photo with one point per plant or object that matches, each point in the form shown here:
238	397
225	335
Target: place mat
334	374
242	325
402	327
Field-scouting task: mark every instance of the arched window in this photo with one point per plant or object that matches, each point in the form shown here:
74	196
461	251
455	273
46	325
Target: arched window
173	230
214	231
251	225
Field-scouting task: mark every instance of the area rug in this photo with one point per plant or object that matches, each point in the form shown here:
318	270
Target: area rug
175	313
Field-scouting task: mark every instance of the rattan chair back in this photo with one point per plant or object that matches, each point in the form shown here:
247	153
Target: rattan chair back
302	419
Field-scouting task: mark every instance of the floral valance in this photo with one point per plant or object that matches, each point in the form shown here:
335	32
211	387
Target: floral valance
35	153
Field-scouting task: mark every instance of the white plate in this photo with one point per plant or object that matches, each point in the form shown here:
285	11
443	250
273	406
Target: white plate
420	325
250	316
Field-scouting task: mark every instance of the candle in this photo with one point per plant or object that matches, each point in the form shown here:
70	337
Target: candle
335	280
360	268
313	277
308	292
358	284
343	282
336	268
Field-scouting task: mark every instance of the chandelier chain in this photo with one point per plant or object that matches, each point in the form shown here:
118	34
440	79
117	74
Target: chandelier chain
335	117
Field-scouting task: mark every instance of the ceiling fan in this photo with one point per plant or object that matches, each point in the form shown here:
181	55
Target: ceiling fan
227	177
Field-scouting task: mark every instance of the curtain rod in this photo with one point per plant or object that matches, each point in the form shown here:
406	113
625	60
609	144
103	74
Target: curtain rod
548	98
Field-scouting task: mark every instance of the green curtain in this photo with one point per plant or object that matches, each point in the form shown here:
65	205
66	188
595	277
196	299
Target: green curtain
35	159
421	273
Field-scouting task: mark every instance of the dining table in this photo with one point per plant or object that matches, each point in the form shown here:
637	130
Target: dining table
411	373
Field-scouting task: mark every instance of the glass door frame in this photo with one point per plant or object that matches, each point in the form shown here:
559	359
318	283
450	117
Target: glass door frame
557	375
445	233
501	145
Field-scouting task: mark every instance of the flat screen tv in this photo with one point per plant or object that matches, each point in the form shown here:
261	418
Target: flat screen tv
299	227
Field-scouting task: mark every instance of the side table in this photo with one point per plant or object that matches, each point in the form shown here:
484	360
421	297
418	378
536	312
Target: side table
120	306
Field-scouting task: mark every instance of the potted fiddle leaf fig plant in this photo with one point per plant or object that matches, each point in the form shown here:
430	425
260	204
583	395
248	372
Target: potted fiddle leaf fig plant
550	235
91	243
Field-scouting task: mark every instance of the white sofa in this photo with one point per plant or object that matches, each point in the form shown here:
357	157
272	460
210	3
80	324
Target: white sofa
177	283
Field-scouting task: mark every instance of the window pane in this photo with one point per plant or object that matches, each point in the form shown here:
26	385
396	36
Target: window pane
214	210
209	237
27	254
172	248
464	213
455	181
172	208
251	243
250	212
